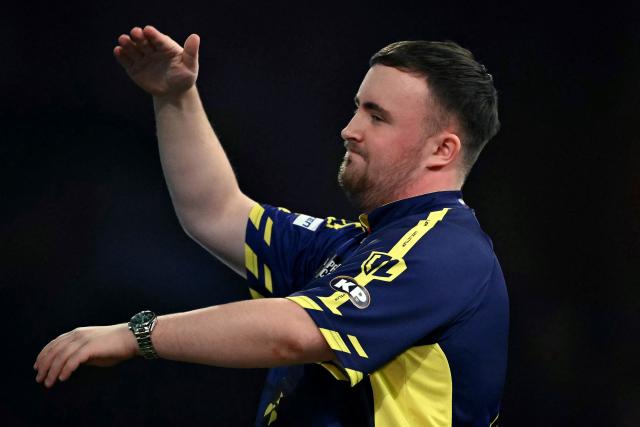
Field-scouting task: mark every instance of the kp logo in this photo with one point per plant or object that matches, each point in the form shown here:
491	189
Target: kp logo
382	266
359	295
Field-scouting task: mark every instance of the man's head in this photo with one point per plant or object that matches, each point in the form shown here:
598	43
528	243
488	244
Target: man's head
424	112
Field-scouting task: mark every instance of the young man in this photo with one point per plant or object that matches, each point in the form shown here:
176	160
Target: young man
398	319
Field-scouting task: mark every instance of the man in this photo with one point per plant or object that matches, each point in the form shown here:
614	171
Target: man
398	319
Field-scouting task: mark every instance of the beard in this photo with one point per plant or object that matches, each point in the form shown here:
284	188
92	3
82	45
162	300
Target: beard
367	190
355	184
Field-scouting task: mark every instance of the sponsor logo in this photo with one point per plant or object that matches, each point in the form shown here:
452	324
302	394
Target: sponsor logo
382	266
308	222
337	224
359	295
329	266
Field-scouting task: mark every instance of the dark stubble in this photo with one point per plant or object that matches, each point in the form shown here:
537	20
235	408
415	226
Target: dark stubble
368	192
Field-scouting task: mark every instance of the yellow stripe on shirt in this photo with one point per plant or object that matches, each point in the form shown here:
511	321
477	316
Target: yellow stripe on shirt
267	231
305	302
255	215
334	340
251	260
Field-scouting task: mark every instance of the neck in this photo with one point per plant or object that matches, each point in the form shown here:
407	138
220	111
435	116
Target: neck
430	183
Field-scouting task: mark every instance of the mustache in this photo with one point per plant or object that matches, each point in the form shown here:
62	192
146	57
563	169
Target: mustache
350	146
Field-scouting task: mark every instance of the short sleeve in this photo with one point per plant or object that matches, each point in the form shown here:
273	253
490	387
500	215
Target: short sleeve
283	250
410	286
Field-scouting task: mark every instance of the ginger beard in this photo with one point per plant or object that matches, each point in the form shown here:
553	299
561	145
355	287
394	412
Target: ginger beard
368	189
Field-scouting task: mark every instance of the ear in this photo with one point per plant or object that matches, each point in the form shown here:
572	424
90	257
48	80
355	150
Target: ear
444	149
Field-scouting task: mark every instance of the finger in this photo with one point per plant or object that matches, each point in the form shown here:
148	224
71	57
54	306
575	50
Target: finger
155	37
72	364
190	53
129	47
122	57
41	356
48	354
60	360
158	40
46	350
141	42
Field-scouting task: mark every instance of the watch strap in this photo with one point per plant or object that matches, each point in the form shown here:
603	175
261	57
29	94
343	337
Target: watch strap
142	332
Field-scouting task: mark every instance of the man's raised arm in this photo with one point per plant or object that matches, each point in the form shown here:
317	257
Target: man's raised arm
205	193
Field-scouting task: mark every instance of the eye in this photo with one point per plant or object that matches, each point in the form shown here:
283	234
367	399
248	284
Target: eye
374	117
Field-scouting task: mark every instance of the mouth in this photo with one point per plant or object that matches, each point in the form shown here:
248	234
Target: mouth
350	151
349	156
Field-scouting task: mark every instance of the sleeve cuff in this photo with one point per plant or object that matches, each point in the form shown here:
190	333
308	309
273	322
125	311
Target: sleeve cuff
335	341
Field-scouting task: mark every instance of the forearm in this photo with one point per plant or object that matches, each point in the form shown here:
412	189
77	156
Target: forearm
246	334
200	179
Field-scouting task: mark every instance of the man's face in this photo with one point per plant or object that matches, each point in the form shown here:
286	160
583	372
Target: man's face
385	139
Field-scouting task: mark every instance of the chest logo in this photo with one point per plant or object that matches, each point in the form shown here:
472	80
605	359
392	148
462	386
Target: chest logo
382	266
359	295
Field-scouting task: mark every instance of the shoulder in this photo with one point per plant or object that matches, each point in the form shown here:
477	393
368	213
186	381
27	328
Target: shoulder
459	232
438	246
282	228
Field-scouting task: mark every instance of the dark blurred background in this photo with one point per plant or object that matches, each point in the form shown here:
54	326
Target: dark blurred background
89	236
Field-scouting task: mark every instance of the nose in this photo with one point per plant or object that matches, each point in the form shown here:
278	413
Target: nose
352	132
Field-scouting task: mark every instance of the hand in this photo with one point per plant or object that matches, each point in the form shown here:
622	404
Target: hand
95	345
156	63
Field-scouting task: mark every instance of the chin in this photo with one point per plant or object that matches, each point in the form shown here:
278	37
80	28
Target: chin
354	186
346	175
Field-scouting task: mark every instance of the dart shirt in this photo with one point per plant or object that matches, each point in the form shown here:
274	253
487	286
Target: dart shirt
412	301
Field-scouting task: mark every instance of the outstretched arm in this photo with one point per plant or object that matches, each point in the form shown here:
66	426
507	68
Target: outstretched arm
203	187
255	333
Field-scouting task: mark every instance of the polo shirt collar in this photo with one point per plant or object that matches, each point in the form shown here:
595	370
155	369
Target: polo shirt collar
400	208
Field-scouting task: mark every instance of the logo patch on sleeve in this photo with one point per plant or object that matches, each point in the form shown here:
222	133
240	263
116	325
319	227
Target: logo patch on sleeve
308	222
359	295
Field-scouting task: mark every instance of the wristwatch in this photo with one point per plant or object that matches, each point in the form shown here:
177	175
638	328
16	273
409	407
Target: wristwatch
141	325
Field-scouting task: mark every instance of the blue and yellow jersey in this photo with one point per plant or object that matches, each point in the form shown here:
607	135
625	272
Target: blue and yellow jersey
411	299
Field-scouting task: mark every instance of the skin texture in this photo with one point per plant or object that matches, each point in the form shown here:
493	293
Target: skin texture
391	154
393	150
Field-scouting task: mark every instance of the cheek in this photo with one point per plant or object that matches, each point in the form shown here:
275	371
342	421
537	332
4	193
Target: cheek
391	147
387	155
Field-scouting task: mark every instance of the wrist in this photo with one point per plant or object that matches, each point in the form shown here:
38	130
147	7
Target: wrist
141	326
177	99
129	340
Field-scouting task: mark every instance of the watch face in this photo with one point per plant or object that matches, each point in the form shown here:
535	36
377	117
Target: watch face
142	317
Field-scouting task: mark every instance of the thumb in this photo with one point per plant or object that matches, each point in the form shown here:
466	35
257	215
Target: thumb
190	53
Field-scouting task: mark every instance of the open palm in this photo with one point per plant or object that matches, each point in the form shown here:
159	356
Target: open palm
156	63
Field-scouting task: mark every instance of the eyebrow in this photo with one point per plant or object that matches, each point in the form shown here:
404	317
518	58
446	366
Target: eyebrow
372	106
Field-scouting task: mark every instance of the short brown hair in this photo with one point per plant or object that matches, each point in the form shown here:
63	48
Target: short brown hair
462	87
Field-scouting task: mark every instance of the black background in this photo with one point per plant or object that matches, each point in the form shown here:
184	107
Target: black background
89	235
